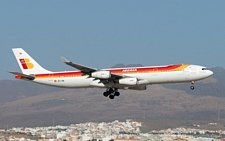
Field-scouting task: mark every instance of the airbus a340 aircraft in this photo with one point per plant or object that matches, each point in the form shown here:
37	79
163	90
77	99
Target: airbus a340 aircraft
135	78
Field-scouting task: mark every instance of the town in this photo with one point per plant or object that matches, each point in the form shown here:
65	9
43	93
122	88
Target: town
112	131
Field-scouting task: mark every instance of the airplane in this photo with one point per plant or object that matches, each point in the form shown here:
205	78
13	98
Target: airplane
113	79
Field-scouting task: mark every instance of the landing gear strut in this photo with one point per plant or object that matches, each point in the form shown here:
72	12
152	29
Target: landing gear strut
192	87
111	92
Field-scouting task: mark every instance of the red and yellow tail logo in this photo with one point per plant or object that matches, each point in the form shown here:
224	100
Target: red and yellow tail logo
26	63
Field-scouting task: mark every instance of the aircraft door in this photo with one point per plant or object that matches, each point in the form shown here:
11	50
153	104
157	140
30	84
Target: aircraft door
50	77
189	71
193	70
155	71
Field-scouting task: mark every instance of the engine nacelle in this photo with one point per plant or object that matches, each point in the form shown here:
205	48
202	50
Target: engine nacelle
101	74
128	81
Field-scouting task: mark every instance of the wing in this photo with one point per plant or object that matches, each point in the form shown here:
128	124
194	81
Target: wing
82	68
87	70
22	76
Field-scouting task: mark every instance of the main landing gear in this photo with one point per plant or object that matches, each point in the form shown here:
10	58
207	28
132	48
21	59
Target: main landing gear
111	93
192	87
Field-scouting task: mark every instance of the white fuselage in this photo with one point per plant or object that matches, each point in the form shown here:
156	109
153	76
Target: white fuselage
157	75
135	78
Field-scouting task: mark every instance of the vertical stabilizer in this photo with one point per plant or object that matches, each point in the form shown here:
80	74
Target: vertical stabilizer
27	64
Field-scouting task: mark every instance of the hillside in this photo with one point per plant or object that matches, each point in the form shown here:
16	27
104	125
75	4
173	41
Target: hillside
28	104
71	106
12	90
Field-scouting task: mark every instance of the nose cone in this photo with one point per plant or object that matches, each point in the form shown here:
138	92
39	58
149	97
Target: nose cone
210	72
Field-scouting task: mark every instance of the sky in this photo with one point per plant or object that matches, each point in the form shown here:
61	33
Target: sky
103	33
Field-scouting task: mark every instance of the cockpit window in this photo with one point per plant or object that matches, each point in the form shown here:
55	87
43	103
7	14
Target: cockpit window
204	69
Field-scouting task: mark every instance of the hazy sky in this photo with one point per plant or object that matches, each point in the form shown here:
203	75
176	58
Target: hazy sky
103	33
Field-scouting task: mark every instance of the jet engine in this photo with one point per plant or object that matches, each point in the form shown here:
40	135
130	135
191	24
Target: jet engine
101	74
128	81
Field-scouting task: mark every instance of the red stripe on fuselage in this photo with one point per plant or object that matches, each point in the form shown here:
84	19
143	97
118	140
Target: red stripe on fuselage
145	69
116	71
59	74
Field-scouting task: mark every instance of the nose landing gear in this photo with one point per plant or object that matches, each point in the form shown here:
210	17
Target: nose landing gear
192	87
111	92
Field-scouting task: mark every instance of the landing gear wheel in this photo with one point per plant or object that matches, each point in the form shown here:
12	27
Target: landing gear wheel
105	94
111	96
117	94
192	87
111	92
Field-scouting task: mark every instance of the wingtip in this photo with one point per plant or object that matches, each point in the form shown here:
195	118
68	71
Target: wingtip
13	72
9	71
64	59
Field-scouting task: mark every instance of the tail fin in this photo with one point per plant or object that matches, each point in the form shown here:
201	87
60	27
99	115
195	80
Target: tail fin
27	64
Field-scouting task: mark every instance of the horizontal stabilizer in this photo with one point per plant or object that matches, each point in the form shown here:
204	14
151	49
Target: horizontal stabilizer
21	75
